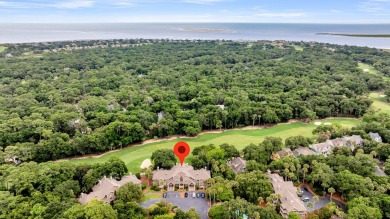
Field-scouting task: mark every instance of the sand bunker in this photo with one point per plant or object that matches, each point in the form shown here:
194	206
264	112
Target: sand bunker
317	123
327	123
146	164
366	70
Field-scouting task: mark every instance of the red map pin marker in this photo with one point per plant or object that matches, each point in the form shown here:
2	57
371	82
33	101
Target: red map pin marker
181	150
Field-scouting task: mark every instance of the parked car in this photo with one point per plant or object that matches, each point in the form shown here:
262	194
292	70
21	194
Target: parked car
194	195
203	195
304	188
186	194
198	195
299	193
305	199
164	195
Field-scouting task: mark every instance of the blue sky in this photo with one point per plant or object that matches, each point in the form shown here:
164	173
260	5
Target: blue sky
263	11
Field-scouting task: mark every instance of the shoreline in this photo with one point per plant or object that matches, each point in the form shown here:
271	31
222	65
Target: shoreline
356	35
174	137
156	39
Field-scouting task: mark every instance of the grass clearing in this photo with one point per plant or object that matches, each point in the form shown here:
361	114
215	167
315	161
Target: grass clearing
380	102
31	55
151	195
3	48
371	70
297	48
133	156
368	68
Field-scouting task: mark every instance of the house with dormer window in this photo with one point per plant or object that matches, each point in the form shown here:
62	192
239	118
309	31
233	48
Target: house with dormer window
181	177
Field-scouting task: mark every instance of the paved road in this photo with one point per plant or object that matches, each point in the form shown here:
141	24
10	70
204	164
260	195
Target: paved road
322	201
200	204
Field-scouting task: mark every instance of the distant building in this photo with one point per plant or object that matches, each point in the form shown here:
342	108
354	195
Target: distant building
326	148
375	136
322	148
303	151
354	140
289	201
238	165
338	142
221	106
282	153
105	189
110	107
181	177
379	171
160	115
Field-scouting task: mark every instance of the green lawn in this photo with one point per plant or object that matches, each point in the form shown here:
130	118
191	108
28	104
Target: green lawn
297	48
133	156
380	102
368	68
31	54
151	195
2	48
371	70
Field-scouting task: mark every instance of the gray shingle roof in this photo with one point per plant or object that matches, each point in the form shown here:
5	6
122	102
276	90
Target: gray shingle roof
238	165
285	152
375	136
289	199
186	169
303	151
106	187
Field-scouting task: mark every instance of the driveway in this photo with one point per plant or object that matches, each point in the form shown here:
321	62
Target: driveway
322	200
200	204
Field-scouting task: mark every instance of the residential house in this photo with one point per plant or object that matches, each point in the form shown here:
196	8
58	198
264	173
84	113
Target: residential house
354	140
326	147
181	176
289	201
160	115
337	142
282	153
322	148
375	136
221	106
105	189
238	165
379	171
303	151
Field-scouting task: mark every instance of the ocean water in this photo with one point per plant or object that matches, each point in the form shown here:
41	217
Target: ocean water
20	33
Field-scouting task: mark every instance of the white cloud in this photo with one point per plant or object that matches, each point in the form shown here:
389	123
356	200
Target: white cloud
375	6
7	4
282	14
66	4
72	4
203	2
335	11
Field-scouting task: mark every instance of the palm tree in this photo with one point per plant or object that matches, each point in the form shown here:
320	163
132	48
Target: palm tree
254	116
374	154
331	191
260	199
149	174
315	200
305	169
220	190
310	205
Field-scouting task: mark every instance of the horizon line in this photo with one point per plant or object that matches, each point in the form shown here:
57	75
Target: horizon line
199	22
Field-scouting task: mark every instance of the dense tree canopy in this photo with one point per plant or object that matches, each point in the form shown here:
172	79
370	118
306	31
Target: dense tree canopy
94	100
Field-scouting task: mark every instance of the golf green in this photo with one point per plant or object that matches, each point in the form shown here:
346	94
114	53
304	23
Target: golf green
134	155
